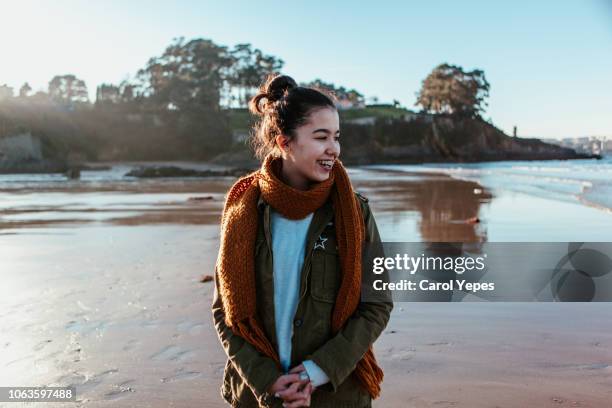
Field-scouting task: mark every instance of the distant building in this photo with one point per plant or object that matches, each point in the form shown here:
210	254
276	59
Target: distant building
344	104
6	92
586	144
366	120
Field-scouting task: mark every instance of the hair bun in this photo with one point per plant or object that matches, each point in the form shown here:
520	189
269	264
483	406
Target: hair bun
276	87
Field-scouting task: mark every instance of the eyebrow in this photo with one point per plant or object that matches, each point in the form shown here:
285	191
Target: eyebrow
324	131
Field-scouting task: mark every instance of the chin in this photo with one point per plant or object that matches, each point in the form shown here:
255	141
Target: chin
318	179
321	177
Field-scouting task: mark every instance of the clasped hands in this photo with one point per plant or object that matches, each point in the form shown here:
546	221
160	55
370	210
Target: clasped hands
293	391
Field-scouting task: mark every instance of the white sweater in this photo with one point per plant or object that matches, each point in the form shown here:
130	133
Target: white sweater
288	248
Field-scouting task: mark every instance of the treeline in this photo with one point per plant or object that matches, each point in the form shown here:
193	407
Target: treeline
181	105
176	106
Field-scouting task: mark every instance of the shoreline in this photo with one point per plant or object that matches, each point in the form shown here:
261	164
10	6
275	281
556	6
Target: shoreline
113	303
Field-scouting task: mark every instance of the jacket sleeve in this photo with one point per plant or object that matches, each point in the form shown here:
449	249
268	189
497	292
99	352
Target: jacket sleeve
258	370
339	356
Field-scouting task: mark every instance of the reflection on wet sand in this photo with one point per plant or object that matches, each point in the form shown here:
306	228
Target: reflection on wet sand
444	209
167	202
447	209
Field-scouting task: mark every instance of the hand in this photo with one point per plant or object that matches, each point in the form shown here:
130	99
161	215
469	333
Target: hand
293	397
289	388
298	398
283	382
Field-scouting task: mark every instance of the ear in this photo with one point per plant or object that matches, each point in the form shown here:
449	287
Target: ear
282	142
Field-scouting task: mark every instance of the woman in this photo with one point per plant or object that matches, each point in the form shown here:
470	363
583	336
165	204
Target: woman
287	300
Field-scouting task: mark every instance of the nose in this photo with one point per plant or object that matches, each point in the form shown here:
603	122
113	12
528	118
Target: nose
333	149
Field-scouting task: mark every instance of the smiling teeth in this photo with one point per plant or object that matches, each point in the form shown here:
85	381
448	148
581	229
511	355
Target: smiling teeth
326	163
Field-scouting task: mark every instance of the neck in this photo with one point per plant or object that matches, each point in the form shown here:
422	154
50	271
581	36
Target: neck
291	177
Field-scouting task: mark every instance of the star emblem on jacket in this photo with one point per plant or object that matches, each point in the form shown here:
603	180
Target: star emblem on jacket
320	242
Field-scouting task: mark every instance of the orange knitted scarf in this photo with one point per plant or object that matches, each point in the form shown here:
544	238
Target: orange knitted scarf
236	260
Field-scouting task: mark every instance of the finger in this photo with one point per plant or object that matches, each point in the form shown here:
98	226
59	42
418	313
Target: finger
297	396
298	369
309	388
290	378
300	381
289	391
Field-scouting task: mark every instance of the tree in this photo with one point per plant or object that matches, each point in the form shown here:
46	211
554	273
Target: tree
25	90
248	70
68	89
186	76
127	91
346	97
449	89
107	93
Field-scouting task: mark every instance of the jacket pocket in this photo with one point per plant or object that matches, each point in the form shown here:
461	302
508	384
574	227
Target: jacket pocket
325	275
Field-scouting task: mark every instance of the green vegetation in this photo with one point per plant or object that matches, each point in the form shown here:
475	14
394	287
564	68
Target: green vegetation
383	112
190	102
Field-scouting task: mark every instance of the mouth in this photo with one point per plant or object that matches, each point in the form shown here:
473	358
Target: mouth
326	164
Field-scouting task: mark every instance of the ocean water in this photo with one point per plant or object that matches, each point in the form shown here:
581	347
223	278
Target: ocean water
588	182
539	201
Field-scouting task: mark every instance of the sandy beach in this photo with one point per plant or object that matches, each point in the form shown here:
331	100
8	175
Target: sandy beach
101	290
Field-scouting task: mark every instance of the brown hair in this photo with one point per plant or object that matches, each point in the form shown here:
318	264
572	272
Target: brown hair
283	106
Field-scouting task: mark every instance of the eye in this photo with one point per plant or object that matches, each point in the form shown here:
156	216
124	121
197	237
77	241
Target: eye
321	138
337	138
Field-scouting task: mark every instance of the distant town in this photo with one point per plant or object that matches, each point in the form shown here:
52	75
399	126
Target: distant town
601	145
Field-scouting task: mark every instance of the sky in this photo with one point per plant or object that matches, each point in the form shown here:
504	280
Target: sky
549	62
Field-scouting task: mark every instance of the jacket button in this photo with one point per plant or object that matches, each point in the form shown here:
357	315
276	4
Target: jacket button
297	322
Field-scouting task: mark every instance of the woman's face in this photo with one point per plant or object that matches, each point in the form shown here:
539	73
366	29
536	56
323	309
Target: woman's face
310	155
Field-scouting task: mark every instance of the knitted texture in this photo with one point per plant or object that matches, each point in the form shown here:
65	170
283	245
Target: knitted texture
236	261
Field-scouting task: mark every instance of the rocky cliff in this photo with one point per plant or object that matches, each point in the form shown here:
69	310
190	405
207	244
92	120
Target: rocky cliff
442	139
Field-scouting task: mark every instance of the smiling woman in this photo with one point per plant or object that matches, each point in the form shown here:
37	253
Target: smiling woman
288	274
300	124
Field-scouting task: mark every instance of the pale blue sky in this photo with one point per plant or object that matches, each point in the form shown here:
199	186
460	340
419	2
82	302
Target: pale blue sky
549	62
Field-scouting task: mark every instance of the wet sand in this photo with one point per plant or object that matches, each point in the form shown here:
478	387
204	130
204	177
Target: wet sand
101	291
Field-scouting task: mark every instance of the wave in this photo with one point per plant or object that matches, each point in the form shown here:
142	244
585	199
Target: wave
588	182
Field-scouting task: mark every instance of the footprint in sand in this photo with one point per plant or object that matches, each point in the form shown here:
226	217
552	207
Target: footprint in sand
72	379
403	354
445	403
131	345
84	382
41	345
190	327
439	343
119	391
87	327
181	375
172	353
150	324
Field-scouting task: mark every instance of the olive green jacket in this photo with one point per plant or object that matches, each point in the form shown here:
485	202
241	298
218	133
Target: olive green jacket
248	373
